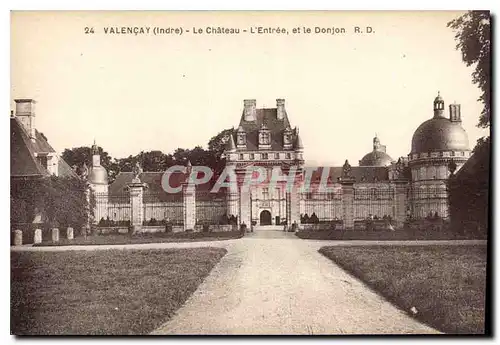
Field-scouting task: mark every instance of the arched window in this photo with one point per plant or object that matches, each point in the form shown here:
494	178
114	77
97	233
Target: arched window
431	173
421	173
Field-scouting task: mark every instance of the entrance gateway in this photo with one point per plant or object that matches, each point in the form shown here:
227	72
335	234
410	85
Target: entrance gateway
265	218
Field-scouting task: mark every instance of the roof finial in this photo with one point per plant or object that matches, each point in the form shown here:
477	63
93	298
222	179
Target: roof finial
95	149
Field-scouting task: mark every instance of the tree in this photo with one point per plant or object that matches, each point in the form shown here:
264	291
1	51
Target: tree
218	143
469	189
79	155
473	36
126	164
217	146
152	160
156	160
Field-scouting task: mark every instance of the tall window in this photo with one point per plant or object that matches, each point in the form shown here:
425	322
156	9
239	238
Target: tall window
241	156
252	156
276	155
288	155
264	156
265	193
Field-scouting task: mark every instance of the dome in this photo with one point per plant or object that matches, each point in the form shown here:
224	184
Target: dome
376	158
439	134
98	175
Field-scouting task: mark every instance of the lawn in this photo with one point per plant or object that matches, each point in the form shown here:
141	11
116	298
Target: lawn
159	237
103	292
446	284
382	235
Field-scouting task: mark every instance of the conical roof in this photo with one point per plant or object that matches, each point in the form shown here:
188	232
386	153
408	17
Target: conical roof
298	142
230	145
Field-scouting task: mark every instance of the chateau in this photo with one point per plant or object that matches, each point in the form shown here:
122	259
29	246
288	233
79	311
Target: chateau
409	188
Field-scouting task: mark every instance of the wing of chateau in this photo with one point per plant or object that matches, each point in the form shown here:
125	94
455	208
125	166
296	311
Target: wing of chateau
409	188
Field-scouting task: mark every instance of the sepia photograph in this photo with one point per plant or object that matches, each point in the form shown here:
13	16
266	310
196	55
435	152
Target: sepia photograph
250	173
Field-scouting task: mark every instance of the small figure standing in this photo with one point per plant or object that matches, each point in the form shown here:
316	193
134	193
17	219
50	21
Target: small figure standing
137	170
346	169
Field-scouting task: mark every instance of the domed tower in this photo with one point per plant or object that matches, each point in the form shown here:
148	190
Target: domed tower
98	181
98	176
378	157
437	143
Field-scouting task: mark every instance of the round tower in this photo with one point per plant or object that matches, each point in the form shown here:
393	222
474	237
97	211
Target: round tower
98	181
437	144
98	176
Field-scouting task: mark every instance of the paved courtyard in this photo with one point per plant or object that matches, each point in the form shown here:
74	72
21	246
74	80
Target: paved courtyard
275	283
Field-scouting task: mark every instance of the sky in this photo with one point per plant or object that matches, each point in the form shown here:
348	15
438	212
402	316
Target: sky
135	93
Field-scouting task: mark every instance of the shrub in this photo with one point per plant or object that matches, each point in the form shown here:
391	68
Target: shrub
61	201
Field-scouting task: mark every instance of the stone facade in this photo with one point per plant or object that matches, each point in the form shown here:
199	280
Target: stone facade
410	188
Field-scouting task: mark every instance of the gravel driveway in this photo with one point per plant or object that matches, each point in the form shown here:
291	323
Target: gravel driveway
281	285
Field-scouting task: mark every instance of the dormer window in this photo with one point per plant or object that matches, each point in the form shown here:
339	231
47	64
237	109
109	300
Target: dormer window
264	137
43	161
287	138
241	138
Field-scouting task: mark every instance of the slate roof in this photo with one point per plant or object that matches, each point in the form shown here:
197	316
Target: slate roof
22	153
269	118
63	169
360	174
23	162
156	193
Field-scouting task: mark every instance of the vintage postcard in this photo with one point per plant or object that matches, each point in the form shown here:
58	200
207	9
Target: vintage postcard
249	173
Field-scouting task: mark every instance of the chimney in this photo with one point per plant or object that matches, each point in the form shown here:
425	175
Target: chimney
280	109
25	112
455	113
249	109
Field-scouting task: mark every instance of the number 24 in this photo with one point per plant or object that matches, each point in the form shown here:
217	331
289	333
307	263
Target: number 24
89	30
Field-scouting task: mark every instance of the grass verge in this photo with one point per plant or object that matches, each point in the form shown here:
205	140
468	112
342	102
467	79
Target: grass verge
398	235
112	292
446	284
159	237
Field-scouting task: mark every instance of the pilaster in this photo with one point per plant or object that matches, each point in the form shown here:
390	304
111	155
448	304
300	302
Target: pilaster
348	202
136	189
293	216
400	201
245	207
189	206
